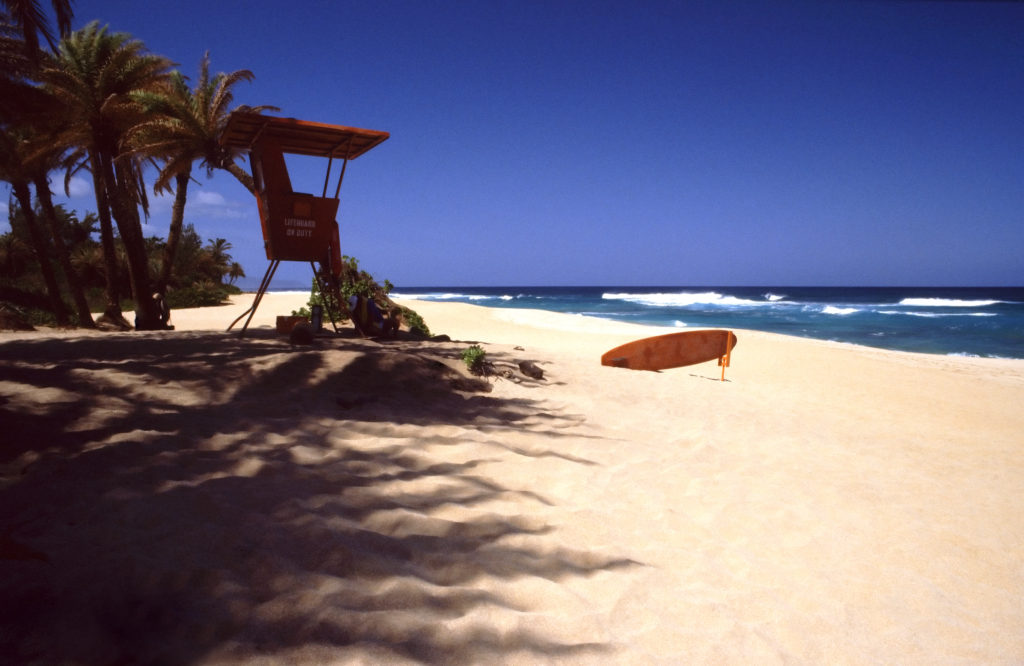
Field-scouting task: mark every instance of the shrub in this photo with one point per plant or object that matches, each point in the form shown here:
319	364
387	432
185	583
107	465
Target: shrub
415	322
356	282
474	358
200	294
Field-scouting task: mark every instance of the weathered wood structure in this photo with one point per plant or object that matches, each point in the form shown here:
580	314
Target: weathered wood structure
296	226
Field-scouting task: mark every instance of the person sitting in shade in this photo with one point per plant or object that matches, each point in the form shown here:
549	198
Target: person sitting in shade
162	310
163	313
368	319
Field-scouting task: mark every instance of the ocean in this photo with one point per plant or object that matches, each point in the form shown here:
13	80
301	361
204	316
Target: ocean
965	321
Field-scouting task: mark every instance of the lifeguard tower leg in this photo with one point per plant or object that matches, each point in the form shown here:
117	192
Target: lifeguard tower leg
264	284
329	287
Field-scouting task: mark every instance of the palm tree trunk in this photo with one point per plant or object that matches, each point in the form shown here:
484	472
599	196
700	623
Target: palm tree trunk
174	232
24	195
74	283
126	215
112	311
242	177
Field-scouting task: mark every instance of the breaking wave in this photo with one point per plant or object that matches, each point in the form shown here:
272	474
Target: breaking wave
681	300
835	310
945	303
455	296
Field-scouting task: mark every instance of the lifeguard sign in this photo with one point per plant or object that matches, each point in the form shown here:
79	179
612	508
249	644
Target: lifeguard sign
296	226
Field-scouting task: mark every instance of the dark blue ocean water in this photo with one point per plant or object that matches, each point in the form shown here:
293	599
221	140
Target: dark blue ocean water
971	321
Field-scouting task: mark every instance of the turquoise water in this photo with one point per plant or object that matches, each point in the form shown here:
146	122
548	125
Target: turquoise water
972	321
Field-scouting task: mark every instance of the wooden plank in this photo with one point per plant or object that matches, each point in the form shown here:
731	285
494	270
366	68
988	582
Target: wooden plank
301	137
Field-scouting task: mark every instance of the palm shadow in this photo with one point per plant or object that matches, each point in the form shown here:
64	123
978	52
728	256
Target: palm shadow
198	494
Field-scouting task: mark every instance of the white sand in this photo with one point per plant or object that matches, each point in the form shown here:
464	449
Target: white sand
192	497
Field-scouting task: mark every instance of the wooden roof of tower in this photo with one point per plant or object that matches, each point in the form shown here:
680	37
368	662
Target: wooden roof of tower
300	137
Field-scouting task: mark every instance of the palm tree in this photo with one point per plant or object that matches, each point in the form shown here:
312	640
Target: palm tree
184	126
93	77
36	157
19	99
220	260
13	169
28	16
89	263
74	283
234	272
14	66
24	112
15	256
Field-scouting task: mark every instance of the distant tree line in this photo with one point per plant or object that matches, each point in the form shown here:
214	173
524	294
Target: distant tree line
202	273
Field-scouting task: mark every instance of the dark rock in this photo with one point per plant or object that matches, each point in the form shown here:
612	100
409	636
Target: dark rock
531	370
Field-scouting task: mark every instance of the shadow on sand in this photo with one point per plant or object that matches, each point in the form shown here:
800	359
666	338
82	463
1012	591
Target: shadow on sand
196	496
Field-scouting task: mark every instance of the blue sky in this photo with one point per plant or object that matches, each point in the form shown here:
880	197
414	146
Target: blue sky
633	143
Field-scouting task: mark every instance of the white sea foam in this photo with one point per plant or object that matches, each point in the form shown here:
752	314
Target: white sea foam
683	300
443	296
970	355
427	296
936	315
679	324
774	297
833	310
927	315
945	303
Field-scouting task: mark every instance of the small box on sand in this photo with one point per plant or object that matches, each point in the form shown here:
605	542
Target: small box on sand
286	323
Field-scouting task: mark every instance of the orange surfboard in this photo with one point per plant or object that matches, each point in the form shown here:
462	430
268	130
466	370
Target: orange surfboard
673	350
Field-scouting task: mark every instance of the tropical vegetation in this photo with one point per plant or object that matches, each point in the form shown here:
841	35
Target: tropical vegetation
475	359
203	274
354	281
98	102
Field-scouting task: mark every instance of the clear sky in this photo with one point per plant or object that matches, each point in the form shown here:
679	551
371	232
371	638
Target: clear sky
625	143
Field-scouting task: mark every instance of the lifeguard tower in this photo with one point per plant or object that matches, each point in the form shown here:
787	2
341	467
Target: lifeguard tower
296	226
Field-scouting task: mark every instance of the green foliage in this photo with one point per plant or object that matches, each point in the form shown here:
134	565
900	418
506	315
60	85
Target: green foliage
40	317
201	294
415	322
33	306
356	282
474	357
332	310
197	279
195	263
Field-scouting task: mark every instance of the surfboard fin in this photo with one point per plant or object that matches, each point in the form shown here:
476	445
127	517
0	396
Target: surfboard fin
724	360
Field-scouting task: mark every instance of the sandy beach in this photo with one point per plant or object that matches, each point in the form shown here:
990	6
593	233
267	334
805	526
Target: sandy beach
192	497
